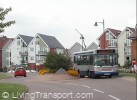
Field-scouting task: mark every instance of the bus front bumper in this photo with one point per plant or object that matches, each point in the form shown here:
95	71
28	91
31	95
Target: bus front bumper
105	73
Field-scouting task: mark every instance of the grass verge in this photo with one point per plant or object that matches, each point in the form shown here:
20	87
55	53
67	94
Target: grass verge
132	75
4	75
14	90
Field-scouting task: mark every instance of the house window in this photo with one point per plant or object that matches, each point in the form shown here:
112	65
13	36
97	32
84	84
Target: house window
31	49
32	58
18	42
112	42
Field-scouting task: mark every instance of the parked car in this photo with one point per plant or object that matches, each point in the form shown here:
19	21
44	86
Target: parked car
20	71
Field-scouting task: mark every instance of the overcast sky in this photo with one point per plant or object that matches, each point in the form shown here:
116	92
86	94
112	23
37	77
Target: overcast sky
60	18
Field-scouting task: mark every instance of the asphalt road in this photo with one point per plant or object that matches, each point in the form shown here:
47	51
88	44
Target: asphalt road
115	88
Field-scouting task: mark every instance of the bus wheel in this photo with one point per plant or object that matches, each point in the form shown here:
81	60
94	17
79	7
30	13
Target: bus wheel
110	76
79	75
93	76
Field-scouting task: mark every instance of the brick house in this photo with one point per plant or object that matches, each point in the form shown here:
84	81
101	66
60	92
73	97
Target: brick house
133	37
108	39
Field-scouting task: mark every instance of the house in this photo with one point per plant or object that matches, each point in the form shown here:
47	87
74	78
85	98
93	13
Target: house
4	53
38	48
19	49
75	48
108	39
92	46
133	37
124	46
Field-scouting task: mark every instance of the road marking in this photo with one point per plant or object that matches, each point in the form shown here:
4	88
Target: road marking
52	82
85	86
113	97
98	91
72	83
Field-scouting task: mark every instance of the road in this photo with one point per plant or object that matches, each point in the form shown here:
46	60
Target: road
115	88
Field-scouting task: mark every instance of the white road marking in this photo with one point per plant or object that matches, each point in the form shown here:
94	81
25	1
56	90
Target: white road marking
52	82
113	97
98	91
85	86
72	83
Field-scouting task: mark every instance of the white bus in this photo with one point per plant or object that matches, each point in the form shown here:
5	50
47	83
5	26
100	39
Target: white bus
95	63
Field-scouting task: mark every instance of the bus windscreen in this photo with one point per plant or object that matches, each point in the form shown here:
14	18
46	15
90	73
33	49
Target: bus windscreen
104	60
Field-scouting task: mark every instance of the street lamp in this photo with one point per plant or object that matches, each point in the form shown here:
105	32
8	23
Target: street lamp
103	23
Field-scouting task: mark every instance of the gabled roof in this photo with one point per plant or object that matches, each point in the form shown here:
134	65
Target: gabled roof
51	41
115	31
75	45
93	43
131	29
3	41
133	36
127	28
26	39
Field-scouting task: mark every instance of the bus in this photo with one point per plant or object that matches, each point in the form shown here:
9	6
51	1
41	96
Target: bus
96	63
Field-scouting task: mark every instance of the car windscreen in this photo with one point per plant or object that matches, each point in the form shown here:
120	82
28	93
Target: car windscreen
19	69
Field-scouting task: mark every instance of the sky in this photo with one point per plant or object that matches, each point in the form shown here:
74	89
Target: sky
60	18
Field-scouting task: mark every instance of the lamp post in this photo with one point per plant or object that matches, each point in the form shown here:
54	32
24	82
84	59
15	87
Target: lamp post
103	23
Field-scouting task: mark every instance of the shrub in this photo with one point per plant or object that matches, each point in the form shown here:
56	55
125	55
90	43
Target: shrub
40	71
73	72
56	61
44	71
1	70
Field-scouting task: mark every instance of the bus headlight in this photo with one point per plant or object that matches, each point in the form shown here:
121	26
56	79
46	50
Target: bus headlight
96	69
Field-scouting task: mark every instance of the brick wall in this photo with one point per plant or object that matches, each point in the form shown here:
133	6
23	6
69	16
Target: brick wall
103	43
0	59
32	65
134	49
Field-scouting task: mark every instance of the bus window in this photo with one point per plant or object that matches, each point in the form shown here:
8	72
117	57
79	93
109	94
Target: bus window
91	60
101	60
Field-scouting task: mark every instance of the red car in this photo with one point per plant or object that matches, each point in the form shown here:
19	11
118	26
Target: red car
20	71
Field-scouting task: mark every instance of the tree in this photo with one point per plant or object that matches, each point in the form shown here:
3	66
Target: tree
56	61
3	13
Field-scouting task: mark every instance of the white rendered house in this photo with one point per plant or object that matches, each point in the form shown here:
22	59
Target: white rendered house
39	47
19	49
124	46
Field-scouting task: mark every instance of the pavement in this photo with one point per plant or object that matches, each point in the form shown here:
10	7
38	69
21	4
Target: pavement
44	88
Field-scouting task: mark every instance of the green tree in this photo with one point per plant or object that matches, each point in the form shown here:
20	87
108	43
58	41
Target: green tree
3	13
56	61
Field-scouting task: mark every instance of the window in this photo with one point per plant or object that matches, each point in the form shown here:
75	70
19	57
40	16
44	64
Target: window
106	60
32	58
84	59
18	42
31	49
112	42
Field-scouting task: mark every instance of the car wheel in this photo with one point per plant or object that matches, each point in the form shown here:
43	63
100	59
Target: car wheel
15	76
25	76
